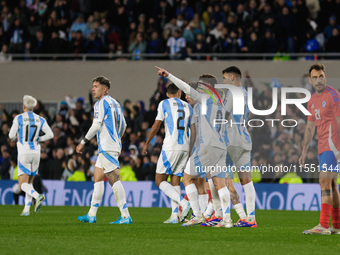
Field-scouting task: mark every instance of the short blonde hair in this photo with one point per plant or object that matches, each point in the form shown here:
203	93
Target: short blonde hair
29	102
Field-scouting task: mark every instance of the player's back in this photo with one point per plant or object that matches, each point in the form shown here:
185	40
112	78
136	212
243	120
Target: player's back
210	132
324	109
177	117
29	127
236	132
110	114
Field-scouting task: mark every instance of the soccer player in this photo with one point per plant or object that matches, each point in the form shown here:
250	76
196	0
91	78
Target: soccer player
109	125
239	147
27	128
177	117
210	152
324	107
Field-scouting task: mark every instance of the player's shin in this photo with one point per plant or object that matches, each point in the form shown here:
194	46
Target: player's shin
335	212
170	191
209	211
174	204
225	203
28	189
240	211
119	193
203	202
250	194
97	195
28	202
215	199
192	193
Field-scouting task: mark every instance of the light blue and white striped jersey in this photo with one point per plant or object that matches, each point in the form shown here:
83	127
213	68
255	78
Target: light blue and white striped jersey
177	117
237	133
176	45
209	109
28	126
109	113
211	134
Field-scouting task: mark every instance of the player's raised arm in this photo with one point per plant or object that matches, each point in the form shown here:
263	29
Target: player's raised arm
309	133
180	84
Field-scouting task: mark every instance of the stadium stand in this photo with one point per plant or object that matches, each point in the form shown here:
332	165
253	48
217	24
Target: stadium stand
175	29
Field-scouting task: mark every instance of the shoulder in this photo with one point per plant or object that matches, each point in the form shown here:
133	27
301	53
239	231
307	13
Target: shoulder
332	94
42	119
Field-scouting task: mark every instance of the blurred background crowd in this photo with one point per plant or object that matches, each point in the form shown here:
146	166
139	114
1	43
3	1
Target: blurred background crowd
177	28
273	144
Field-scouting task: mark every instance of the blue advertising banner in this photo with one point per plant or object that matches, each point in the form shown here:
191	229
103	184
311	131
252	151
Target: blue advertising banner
304	197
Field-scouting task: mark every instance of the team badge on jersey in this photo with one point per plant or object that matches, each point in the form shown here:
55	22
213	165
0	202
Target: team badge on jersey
312	106
324	104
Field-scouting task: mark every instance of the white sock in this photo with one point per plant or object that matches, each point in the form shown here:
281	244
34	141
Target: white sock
250	195
225	202
240	211
174	205
97	195
28	189
192	194
215	199
203	201
171	192
119	192
28	202
209	211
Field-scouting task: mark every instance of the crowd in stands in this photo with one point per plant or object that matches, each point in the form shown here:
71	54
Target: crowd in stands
177	28
273	144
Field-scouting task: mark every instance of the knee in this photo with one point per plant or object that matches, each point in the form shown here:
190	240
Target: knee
325	183
245	181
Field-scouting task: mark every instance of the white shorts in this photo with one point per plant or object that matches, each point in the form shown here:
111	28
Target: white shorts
28	164
108	161
238	159
207	160
172	162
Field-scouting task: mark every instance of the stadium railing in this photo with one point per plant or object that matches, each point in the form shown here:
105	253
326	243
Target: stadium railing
194	56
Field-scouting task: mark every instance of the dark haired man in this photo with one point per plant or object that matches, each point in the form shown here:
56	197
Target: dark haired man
239	147
177	117
109	125
209	157
324	106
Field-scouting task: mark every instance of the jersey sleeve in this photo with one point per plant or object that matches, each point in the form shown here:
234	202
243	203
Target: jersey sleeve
185	88
229	103
160	114
309	107
99	112
98	118
47	130
14	129
336	105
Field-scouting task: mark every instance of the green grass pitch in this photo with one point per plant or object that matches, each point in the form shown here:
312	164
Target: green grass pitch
56	230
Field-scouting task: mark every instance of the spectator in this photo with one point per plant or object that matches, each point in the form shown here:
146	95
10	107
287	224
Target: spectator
176	45
138	47
185	10
6	163
79	25
334	41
